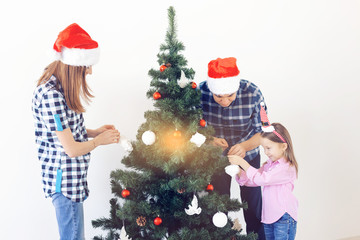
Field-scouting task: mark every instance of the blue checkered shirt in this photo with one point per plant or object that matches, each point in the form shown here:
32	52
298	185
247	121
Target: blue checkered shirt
238	122
48	101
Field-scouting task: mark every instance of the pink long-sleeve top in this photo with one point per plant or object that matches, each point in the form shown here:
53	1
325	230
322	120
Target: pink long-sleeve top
277	179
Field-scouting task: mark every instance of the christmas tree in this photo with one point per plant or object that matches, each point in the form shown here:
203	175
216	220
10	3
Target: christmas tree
167	191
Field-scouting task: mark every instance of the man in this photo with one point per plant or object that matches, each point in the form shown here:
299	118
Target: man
232	107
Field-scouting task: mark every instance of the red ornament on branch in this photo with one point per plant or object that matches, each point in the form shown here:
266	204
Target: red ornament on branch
162	68
193	85
125	193
202	123
156	95
210	187
157	221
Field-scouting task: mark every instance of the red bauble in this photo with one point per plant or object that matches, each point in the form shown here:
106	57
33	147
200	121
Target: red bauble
162	68
156	95
202	123
177	133
157	221
193	85
210	187
125	193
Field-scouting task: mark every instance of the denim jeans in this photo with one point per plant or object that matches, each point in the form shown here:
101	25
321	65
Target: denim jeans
283	229
70	217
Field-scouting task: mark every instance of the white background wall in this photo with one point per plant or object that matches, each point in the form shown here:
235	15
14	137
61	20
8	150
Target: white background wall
304	55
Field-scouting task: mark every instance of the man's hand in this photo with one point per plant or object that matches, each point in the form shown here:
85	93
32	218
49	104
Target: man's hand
221	143
238	150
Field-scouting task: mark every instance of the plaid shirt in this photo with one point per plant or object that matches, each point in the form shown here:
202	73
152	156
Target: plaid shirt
46	103
238	122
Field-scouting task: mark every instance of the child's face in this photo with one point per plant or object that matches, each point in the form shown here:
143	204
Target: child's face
273	150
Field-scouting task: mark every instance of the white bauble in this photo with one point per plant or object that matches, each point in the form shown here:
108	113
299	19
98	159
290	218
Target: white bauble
220	219
198	139
148	137
232	170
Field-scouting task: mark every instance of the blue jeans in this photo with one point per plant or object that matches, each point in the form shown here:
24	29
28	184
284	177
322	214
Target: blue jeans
70	217
283	229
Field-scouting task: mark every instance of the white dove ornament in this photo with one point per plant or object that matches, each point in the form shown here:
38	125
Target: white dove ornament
183	82
193	208
123	235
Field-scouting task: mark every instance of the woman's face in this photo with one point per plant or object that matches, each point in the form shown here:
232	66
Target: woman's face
88	70
224	100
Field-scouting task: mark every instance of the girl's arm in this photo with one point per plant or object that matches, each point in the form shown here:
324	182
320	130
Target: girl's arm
75	149
242	178
281	174
234	159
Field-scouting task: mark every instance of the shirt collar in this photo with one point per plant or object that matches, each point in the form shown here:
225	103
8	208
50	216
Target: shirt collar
279	161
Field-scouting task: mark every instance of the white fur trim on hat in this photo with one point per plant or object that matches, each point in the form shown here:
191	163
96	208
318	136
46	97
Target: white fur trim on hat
78	57
220	86
268	129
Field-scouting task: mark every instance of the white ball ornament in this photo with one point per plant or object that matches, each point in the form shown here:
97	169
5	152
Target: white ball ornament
232	170
198	139
148	137
220	219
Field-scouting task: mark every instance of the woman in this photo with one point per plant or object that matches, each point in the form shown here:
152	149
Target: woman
61	136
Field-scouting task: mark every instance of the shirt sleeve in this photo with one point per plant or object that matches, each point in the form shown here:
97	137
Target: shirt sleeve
280	174
54	111
243	179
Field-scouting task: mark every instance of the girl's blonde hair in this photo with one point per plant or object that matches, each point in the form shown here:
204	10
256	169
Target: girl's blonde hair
289	152
73	82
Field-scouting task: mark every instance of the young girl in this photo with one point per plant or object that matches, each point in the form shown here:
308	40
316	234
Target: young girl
277	176
61	136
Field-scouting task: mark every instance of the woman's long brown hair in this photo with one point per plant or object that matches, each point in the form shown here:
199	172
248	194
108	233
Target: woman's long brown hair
289	152
72	80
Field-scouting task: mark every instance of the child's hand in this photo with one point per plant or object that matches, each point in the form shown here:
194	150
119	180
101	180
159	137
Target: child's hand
234	159
240	172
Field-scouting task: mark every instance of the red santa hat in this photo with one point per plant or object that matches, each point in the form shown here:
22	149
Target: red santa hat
75	47
223	76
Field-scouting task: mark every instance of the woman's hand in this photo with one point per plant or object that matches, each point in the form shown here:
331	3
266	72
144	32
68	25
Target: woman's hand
94	133
107	137
104	128
220	142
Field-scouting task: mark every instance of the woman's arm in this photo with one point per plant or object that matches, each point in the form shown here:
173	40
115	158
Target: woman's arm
75	149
